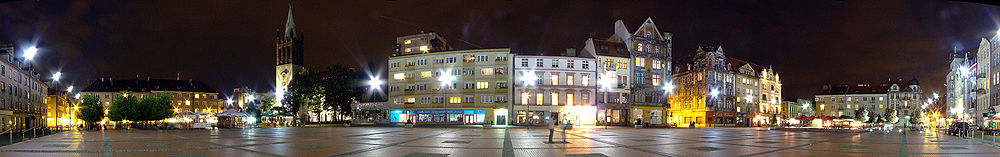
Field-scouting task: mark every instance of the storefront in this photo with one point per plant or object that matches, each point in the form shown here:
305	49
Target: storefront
727	119
439	116
649	114
612	114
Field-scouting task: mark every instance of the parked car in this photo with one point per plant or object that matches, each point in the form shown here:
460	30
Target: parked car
958	129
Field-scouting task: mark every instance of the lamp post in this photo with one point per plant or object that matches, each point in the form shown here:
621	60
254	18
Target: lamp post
668	89
528	80
374	83
446	80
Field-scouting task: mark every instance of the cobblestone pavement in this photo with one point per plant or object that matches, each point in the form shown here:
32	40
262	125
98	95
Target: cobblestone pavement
461	142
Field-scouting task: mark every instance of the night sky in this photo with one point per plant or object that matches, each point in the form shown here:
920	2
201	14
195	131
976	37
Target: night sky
231	44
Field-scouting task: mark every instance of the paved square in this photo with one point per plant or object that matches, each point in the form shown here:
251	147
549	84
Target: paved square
457	142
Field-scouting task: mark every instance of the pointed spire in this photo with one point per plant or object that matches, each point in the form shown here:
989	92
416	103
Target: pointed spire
290	24
719	49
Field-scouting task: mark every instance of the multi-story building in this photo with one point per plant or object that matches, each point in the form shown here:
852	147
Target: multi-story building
289	55
22	92
188	95
562	87
59	109
797	107
613	72
958	85
649	51
982	84
420	43
900	98
716	90
846	100
458	87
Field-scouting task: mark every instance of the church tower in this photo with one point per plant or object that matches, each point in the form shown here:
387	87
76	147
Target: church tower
288	51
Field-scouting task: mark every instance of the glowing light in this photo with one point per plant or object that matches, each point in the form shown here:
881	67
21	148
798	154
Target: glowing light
77	96
375	83
669	87
446	79
250	120
279	94
714	93
749	98
229	101
30	53
964	70
69	89
529	78
805	106
424	48
251	98
606	80
56	76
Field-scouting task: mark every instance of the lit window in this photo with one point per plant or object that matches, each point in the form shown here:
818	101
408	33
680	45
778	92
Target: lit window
821	106
538	99
487	71
455	100
406	42
848	106
640	62
639	47
555	98
656	80
482	85
656	64
407	50
426	74
399	76
569	99
424	48
585	81
881	106
555	79
569	80
196	96
524	98
411	100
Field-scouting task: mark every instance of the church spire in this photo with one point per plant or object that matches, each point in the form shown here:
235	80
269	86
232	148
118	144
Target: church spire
290	25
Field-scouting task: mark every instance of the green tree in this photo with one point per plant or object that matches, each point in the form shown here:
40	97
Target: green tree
303	91
90	109
341	86
267	104
125	107
156	107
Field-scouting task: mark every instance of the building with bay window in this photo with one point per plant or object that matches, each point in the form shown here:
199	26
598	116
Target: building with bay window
715	90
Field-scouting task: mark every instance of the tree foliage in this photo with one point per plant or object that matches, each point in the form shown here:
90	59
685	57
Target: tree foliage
151	108
341	86
90	109
124	107
303	91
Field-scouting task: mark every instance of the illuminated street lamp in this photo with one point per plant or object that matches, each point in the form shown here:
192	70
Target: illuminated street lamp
374	83
55	77
30	53
77	96
529	78
714	93
446	79
229	101
669	87
69	89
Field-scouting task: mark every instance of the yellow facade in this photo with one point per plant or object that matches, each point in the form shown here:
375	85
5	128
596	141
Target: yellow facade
59	110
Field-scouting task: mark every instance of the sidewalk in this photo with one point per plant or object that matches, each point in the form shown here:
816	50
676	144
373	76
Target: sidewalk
7	139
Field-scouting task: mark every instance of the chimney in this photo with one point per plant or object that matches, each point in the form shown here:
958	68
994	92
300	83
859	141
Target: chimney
570	52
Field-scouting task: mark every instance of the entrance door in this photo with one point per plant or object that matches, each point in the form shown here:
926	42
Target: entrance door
501	120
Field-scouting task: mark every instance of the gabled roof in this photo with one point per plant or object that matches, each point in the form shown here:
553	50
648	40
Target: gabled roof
148	85
649	23
735	65
290	25
856	89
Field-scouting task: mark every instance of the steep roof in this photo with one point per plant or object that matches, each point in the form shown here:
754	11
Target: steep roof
735	65
290	24
147	85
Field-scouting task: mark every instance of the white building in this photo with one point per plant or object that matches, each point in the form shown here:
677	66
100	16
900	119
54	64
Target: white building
958	85
562	87
612	65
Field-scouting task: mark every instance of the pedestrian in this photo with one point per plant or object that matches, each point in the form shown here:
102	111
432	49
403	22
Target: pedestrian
552	127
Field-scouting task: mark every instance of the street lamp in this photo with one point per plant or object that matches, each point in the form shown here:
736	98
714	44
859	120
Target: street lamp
69	89
229	101
529	78
374	83
669	87
77	96
55	77
714	93
30	53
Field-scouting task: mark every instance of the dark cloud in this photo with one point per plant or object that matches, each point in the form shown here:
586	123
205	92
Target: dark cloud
231	43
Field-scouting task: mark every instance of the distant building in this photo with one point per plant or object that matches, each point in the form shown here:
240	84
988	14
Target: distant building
959	87
59	109
188	95
451	87
560	86
21	89
613	63
290	58
900	98
797	107
420	43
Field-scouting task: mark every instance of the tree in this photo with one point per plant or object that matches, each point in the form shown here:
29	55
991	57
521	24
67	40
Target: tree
303	91
156	107
90	109
341	86
124	107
